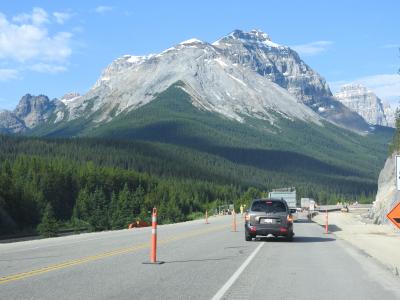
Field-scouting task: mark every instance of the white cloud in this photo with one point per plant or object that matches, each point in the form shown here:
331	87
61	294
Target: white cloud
385	86
312	48
8	74
61	17
103	9
38	17
25	40
47	68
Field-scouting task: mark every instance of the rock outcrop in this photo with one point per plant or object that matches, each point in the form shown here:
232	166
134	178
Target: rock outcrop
34	110
283	66
387	195
10	123
363	101
390	114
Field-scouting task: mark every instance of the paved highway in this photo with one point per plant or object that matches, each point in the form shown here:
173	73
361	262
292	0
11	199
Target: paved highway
201	262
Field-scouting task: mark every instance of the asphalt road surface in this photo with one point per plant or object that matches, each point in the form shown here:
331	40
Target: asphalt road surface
201	261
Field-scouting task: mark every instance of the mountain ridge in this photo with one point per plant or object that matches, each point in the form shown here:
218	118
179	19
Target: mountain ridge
243	73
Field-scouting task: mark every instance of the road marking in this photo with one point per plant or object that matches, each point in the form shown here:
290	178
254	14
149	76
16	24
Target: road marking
86	259
236	275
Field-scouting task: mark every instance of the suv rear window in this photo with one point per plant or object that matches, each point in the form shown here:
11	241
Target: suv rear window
268	206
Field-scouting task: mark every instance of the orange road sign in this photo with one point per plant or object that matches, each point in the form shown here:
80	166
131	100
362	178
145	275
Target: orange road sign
394	215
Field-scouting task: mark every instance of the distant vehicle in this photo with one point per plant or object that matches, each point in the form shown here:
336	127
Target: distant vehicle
307	203
312	205
289	195
269	216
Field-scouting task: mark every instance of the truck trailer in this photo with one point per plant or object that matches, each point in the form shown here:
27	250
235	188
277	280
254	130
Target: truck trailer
287	194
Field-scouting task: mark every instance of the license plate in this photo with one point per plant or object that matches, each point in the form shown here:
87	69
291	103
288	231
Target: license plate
267	221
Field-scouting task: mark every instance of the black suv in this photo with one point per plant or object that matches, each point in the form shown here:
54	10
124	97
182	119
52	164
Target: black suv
269	216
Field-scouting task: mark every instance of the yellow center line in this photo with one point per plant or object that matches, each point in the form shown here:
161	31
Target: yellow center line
86	259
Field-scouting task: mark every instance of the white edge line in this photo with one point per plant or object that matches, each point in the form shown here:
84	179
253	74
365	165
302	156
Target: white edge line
236	275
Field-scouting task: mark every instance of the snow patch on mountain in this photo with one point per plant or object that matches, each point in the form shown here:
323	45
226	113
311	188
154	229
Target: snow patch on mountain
191	41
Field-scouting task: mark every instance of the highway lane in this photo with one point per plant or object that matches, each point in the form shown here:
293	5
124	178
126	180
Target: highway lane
199	260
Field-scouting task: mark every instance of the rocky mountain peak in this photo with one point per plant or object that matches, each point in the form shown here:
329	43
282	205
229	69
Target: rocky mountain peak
28	103
192	41
70	97
363	101
10	123
253	37
34	110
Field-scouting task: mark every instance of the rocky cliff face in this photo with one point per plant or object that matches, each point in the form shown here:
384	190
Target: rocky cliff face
390	114
364	102
30	112
278	63
34	110
10	123
387	195
283	66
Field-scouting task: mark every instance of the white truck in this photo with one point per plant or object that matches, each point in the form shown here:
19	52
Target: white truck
307	204
289	195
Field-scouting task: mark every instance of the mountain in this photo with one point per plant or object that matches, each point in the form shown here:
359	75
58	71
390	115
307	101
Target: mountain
236	76
285	145
363	101
215	98
390	114
34	110
30	112
214	82
10	123
243	74
282	65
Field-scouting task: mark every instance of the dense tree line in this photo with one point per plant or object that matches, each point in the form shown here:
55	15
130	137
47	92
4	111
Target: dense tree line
102	184
34	190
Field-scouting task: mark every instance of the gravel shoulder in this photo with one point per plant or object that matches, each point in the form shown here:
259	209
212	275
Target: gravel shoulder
381	242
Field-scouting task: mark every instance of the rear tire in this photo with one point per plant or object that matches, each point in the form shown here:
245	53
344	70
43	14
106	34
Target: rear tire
248	238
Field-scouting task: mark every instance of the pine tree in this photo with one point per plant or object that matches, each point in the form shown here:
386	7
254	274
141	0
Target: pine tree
48	226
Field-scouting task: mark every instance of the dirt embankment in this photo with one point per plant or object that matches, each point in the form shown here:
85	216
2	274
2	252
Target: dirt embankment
382	242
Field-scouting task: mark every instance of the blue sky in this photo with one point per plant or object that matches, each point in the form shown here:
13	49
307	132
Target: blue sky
54	47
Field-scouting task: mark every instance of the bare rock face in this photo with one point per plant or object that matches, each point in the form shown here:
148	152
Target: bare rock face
215	83
10	123
390	114
34	110
283	66
387	196
364	102
278	63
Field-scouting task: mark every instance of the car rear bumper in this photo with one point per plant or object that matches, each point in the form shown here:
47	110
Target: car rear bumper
264	230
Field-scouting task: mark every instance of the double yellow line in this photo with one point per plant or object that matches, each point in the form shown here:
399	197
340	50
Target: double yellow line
86	259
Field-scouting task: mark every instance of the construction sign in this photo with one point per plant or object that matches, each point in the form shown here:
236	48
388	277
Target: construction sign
394	215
